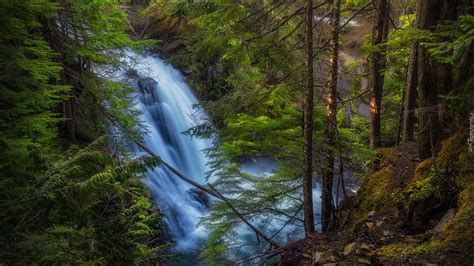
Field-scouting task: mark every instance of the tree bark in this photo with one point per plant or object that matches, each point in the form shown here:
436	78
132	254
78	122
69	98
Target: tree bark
376	68
328	171
308	106
434	78
410	95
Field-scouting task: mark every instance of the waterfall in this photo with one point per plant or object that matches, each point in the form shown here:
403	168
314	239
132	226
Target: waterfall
166	103
167	106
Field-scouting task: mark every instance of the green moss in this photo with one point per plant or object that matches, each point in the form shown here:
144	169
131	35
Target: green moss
434	180
422	170
386	156
427	182
423	189
398	252
458	233
425	185
357	219
377	192
464	169
453	162
451	149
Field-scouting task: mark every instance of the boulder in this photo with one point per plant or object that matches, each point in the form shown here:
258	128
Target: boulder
146	84
200	196
132	74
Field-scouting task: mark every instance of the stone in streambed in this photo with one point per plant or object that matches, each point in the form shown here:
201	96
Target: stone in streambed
146	84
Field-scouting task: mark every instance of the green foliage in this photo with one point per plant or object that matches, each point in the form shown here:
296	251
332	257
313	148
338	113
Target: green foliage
82	209
92	45
75	206
355	3
450	40
447	43
27	96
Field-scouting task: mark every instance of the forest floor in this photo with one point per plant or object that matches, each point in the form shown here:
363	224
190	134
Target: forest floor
405	212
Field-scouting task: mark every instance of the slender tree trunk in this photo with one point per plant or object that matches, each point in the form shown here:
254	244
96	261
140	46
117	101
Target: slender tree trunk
410	95
328	171
308	124
376	67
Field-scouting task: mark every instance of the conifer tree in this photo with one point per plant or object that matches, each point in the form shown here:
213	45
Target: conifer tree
331	128
308	122
376	69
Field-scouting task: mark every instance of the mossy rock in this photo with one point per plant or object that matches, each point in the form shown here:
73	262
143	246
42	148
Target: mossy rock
377	192
458	233
451	149
464	169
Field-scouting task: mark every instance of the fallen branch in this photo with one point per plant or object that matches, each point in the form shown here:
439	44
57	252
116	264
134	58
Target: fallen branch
212	192
176	172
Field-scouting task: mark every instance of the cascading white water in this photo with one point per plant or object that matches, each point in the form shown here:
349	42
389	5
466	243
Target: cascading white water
166	102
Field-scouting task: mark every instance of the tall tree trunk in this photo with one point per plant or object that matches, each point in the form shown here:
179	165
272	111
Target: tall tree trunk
410	95
434	78
328	171
376	67
308	124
